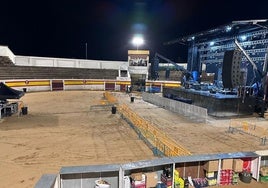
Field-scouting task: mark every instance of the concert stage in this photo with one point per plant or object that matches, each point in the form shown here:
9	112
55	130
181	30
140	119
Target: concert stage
217	104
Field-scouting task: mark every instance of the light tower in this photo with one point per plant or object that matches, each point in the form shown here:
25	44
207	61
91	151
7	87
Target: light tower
137	41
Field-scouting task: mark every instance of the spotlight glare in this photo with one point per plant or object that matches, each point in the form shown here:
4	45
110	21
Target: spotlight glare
137	41
243	37
228	28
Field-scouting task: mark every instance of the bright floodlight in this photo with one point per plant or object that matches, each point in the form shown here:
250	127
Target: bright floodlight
243	37
137	41
211	43
228	28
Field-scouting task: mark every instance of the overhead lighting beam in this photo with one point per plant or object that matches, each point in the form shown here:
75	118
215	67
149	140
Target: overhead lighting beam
249	21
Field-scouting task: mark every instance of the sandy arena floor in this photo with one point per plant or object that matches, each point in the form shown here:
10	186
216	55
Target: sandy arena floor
61	130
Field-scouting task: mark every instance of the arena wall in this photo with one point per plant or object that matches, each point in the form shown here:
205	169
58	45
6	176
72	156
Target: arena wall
70	63
5	51
33	85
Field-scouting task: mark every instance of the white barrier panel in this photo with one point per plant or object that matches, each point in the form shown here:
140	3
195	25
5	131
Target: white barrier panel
34	88
192	111
89	64
66	63
84	87
137	70
5	51
71	63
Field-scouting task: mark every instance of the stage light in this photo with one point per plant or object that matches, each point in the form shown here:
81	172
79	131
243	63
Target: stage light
211	43
243	37
228	28
137	41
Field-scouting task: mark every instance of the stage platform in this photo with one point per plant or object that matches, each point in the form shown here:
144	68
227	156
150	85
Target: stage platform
217	104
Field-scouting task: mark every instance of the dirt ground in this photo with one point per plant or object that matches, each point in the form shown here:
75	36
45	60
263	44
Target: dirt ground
61	129
202	138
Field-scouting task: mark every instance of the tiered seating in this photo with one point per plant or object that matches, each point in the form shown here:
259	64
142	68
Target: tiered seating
8	72
174	75
5	61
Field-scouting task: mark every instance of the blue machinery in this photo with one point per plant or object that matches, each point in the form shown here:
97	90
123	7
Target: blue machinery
155	66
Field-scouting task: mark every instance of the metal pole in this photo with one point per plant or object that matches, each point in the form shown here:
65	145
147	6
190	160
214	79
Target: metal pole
86	50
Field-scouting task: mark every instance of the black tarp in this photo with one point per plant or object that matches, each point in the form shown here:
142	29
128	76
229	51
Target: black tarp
9	93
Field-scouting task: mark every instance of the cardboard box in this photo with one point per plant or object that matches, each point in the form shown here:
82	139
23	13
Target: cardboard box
227	164
151	179
264	171
210	174
211	166
237	165
136	176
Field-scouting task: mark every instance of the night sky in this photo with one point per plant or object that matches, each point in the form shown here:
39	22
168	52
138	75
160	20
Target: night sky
54	28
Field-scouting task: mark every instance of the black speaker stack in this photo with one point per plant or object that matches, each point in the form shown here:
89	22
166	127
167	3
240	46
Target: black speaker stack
231	70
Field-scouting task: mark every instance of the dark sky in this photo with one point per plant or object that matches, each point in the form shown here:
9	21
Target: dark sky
54	28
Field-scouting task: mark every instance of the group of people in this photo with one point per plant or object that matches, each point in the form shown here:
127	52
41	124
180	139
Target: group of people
138	62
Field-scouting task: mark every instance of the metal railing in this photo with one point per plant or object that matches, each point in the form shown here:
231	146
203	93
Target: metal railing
161	143
249	128
156	139
193	112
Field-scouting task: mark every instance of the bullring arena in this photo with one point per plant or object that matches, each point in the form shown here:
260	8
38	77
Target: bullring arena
70	137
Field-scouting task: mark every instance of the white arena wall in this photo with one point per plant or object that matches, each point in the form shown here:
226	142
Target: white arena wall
70	63
19	60
5	51
60	62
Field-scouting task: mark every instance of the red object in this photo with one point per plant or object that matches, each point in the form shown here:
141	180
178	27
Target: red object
247	164
139	185
226	177
167	181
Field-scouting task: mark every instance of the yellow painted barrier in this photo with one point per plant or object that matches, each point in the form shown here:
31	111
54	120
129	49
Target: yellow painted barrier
27	83
110	98
153	135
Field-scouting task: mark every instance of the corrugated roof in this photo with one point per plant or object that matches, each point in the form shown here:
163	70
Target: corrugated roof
90	168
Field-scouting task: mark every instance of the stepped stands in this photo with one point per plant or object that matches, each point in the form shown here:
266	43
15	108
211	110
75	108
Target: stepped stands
174	75
5	61
10	71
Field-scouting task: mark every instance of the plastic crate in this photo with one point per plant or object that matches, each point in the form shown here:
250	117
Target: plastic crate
264	179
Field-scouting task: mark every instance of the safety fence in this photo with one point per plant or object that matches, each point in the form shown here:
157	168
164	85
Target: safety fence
110	98
160	142
156	139
108	101
193	112
249	128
